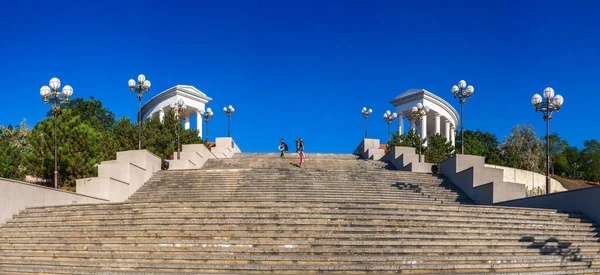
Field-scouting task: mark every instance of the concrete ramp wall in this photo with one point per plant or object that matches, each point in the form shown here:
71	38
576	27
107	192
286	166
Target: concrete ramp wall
406	159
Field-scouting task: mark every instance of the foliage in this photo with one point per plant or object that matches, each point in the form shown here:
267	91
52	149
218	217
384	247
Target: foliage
91	112
438	149
406	140
161	138
481	144
13	145
523	150
590	157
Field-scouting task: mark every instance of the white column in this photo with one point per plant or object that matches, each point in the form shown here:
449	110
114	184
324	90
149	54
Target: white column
161	115
447	130
412	124
400	124
199	123
424	129
187	122
437	123
453	136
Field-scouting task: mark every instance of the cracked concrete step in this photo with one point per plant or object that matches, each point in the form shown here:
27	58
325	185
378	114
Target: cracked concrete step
397	212
295	236
171	248
297	259
225	230
416	268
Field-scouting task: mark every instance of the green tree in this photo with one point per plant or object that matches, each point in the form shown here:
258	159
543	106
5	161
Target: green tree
523	150
480	143
81	148
161	138
558	161
13	147
91	112
125	135
590	157
406	140
438	149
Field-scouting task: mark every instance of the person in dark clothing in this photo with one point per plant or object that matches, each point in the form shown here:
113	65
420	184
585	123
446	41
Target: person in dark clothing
283	148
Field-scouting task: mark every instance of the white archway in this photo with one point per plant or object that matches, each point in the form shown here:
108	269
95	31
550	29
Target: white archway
442	117
192	97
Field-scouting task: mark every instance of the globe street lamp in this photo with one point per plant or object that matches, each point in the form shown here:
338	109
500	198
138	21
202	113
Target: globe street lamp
179	108
550	104
462	91
366	113
50	95
143	86
206	116
228	111
419	112
389	117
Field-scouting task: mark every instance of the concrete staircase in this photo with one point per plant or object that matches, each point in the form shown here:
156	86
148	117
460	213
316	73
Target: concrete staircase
261	214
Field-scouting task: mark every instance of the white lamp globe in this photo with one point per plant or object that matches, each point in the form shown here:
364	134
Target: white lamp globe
414	109
470	89
536	99
426	109
180	102
230	107
388	112
385	116
208	110
558	100
67	91
548	93
225	109
462	84
419	105
45	91
147	84
54	83
141	78
370	111
454	89
364	109
394	115
131	83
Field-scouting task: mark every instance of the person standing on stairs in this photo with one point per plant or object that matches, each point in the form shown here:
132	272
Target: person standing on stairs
300	151
283	148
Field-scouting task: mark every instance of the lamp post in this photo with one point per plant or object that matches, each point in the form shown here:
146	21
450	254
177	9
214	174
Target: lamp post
366	113
179	107
418	112
206	116
547	106
389	118
143	86
462	91
228	111
50	95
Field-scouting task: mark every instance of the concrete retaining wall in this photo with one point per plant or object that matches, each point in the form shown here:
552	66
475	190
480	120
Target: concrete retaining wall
118	179
531	180
225	148
585	201
193	156
484	185
16	196
369	149
405	159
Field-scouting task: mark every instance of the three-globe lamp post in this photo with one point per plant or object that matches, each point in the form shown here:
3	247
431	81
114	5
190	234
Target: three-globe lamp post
228	111
389	118
50	95
549	104
419	112
179	108
143	86
462	91
366	113
206	116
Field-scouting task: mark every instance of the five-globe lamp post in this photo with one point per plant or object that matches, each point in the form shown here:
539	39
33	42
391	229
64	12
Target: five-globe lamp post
143	86
206	116
228	111
389	118
366	113
50	95
549	104
179	108
462	91
419	112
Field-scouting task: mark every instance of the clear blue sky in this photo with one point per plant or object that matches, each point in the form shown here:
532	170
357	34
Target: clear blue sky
306	68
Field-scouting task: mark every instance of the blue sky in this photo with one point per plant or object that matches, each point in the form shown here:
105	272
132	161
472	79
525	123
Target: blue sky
306	68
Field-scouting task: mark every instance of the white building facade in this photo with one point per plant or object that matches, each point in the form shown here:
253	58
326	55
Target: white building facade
195	100
442	117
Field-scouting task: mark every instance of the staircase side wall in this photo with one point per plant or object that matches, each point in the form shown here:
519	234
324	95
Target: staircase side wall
585	201
15	196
